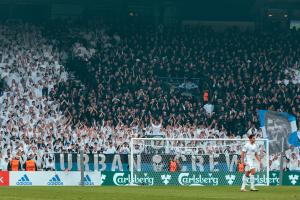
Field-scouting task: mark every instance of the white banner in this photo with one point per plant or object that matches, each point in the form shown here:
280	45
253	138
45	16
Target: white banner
24	178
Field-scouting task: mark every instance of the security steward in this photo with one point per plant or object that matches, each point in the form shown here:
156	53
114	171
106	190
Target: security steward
14	164
241	167
173	166
30	164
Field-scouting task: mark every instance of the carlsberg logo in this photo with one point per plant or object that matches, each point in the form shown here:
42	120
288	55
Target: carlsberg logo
274	179
186	179
230	179
293	178
120	179
262	179
166	178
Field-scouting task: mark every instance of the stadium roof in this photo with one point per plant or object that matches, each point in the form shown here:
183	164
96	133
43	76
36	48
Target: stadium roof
242	10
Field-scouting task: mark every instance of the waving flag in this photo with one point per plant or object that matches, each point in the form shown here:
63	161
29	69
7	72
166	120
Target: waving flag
278	125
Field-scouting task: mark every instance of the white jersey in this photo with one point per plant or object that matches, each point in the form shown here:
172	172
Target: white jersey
250	150
156	129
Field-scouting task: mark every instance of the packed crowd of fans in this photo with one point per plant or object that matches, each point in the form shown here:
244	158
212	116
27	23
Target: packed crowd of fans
244	71
95	86
30	68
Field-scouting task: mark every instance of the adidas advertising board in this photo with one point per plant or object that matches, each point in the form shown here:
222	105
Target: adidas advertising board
88	181
24	178
55	180
92	179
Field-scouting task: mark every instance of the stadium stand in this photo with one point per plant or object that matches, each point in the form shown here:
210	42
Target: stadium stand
66	86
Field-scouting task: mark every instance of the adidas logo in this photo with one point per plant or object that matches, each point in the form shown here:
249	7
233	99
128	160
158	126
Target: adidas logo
293	179
87	180
55	180
24	181
230	179
166	178
102	179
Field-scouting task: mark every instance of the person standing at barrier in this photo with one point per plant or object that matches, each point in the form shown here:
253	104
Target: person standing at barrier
30	164
14	164
173	165
240	166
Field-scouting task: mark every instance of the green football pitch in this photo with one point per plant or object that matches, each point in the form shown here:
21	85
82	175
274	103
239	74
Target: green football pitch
145	193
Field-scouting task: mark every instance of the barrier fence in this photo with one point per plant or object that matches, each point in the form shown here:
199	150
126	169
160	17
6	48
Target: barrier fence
108	178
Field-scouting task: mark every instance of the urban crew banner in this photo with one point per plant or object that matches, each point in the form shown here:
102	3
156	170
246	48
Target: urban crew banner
146	162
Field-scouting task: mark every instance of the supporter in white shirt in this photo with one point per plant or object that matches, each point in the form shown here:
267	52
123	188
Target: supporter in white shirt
137	149
156	126
3	163
275	163
293	163
209	108
124	149
50	165
110	149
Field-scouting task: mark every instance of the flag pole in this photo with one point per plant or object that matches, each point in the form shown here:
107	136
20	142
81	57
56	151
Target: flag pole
281	162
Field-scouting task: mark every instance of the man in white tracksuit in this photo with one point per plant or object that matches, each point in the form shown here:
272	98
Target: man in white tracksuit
248	156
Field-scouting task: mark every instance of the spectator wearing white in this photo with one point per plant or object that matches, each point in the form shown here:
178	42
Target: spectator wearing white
156	126
294	163
49	164
124	149
274	163
209	108
3	162
137	149
110	149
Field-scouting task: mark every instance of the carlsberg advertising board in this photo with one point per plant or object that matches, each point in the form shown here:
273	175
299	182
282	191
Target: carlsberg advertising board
187	178
191	178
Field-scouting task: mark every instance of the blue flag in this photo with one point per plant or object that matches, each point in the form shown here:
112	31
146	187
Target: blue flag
278	125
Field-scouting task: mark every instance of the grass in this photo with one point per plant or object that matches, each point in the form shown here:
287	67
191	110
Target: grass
147	193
